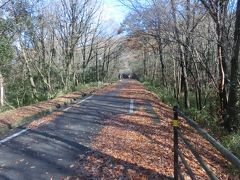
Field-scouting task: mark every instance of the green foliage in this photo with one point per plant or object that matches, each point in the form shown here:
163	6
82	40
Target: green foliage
18	93
163	93
201	116
207	120
6	50
207	117
232	142
90	74
238	103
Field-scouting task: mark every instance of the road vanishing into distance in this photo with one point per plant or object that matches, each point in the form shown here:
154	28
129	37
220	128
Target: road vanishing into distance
51	150
122	131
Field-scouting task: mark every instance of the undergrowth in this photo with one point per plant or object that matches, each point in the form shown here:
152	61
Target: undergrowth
207	117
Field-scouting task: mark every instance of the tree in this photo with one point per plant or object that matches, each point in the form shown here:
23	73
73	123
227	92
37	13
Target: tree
6	54
218	11
195	43
50	50
233	120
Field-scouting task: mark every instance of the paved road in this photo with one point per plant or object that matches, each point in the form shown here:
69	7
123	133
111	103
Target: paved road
51	150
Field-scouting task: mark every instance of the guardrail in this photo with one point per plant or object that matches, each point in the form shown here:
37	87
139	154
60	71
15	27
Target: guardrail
177	153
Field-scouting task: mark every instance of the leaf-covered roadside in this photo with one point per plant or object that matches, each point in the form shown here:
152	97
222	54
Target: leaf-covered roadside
16	117
133	146
55	114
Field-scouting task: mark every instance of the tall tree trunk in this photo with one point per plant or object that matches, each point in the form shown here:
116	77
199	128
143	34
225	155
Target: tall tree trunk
181	57
232	122
96	64
154	72
175	77
221	56
1	91
186	58
198	88
30	75
184	79
219	14
69	60
160	50
144	63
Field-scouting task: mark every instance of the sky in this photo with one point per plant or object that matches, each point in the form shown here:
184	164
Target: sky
113	14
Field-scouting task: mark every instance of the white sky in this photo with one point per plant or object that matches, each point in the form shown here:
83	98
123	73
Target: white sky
113	14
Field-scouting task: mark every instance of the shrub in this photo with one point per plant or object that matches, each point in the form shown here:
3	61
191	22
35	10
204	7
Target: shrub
232	142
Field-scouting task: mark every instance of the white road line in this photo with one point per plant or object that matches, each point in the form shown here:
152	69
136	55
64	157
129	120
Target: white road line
67	108
85	99
24	130
131	106
78	102
13	136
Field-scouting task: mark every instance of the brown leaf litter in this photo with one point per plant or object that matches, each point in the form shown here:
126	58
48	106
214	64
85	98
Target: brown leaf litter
133	146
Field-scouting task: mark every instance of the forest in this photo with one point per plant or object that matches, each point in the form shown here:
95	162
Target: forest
190	50
186	51
52	47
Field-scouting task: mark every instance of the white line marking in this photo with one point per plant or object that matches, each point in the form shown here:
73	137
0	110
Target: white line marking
13	136
78	102
67	108
84	99
131	106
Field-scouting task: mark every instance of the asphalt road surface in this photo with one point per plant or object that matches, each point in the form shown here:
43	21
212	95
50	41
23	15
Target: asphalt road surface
51	150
